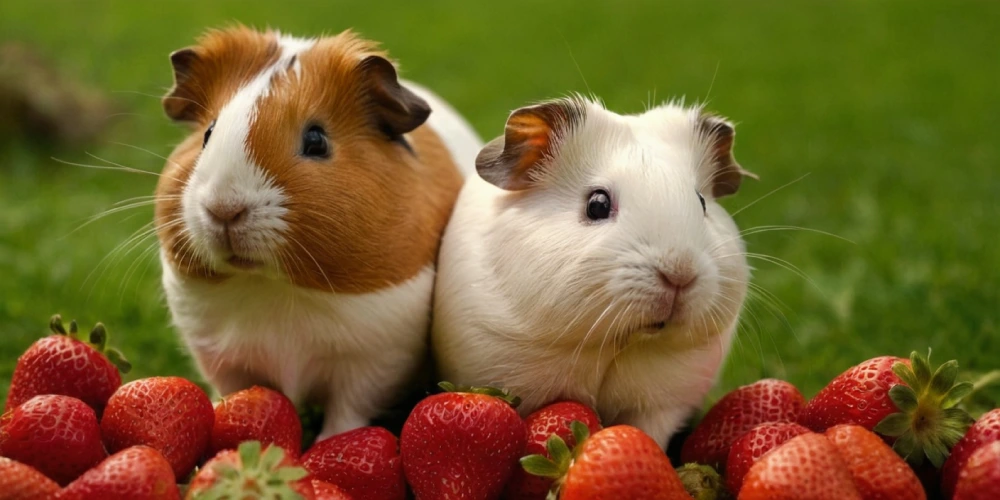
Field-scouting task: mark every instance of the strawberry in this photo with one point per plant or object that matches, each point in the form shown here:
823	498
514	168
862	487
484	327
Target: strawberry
552	419
859	396
986	430
327	491
617	462
363	462
259	414
136	472
752	445
980	478
878	472
57	435
65	364
806	467
22	482
247	472
170	414
462	443
767	400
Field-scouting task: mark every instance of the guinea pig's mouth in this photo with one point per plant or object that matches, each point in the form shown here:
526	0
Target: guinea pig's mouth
650	328
243	262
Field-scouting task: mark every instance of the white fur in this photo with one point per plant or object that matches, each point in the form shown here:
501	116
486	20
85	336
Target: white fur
533	297
350	352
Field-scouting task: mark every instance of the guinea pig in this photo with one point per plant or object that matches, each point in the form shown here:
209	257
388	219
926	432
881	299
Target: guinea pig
300	220
589	260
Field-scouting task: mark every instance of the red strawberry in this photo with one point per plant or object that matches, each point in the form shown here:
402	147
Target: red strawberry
57	435
902	400
170	414
752	445
767	400
327	491
363	462
859	396
878	472
985	431
980	478
21	482
136	472
259	414
806	467
463	443
248	473
65	364
614	463
552	419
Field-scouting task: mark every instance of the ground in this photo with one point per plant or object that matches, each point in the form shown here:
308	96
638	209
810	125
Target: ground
872	126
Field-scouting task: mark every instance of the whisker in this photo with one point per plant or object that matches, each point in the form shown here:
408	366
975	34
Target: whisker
106	167
775	190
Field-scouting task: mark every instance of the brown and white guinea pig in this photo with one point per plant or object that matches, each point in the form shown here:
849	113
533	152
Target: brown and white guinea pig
589	260
300	221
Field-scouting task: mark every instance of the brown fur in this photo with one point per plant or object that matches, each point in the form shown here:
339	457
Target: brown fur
369	216
529	137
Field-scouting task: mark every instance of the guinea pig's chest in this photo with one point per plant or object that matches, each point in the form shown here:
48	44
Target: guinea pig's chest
287	336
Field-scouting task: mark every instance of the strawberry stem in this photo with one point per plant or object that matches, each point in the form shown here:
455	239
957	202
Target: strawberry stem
512	400
928	423
258	475
97	339
702	482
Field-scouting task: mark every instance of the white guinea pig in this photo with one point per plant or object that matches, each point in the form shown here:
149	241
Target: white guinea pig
590	261
300	220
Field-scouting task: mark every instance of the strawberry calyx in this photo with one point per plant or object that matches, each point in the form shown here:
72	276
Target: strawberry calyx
702	482
512	400
260	475
561	459
96	339
928	423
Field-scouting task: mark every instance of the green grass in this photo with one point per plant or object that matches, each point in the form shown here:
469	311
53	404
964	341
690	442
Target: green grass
889	110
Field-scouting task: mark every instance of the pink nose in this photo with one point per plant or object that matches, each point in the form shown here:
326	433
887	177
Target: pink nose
679	280
226	214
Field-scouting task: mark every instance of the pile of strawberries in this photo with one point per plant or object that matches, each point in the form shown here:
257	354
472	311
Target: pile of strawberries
888	428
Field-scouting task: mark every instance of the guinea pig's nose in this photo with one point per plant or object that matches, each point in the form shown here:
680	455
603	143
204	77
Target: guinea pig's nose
226	214
676	279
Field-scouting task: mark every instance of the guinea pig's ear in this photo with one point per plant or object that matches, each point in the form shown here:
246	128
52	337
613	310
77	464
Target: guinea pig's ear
725	173
514	160
179	103
395	108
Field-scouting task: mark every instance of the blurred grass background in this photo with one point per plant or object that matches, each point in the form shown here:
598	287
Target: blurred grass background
889	109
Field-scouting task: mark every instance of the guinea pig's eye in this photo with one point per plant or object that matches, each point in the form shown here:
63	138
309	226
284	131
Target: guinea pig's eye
701	198
599	205
314	142
208	133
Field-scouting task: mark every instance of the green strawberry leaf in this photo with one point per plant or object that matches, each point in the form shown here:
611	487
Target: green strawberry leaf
904	397
539	465
944	377
56	324
580	432
921	368
558	450
249	454
893	425
905	373
956	394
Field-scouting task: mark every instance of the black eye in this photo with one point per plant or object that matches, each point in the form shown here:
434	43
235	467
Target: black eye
702	200
314	142
599	205
208	133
